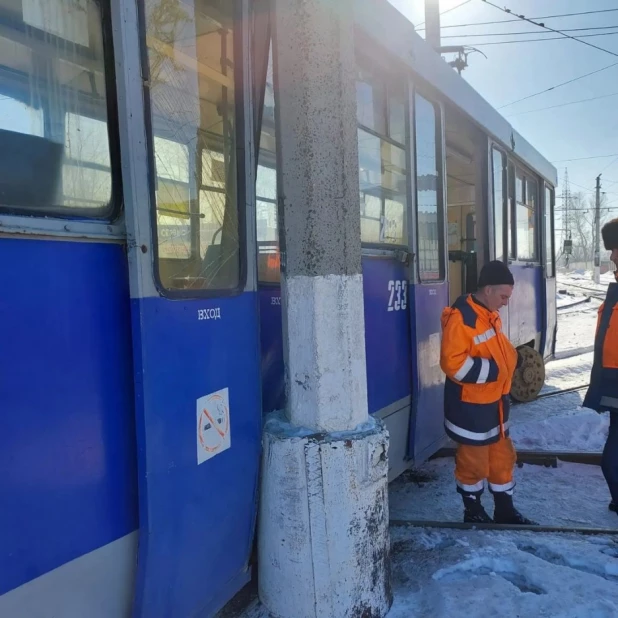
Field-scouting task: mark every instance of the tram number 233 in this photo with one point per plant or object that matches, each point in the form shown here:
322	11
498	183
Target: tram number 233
398	295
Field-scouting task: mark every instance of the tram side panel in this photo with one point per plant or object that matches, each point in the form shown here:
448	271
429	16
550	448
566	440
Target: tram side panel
526	305
67	429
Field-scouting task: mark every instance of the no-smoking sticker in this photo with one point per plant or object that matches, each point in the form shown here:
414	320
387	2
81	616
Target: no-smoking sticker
213	425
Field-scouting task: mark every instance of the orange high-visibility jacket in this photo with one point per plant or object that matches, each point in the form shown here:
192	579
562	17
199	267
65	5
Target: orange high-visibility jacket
479	361
602	394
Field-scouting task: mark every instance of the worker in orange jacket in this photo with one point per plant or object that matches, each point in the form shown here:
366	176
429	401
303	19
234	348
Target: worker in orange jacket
602	394
479	362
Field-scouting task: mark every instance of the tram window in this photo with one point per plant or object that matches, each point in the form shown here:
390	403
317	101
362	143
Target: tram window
54	145
371	102
193	106
510	207
429	200
549	232
382	161
268	259
526	218
499	195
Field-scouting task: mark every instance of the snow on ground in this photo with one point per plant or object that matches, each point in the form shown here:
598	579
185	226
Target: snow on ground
576	328
569	495
459	574
465	574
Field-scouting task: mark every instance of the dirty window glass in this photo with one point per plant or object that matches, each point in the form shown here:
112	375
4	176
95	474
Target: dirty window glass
526	218
269	267
499	196
382	161
429	202
54	146
191	59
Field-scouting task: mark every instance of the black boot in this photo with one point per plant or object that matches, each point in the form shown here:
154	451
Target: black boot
474	513
506	513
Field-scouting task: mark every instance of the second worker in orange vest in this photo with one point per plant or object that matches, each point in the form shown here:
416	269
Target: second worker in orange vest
479	362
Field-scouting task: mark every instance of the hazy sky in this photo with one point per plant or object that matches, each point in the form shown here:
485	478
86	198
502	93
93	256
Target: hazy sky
516	70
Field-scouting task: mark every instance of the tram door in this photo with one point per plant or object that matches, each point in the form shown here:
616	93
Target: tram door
429	294
194	310
550	317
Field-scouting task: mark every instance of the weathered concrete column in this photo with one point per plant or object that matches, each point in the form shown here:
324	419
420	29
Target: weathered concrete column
323	538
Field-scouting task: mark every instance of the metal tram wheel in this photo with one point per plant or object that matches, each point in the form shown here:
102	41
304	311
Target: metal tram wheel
528	380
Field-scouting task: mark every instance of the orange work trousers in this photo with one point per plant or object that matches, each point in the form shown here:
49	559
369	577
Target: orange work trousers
494	462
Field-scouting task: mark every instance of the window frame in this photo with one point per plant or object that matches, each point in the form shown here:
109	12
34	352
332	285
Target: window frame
441	211
516	169
504	232
549	248
242	102
386	73
114	208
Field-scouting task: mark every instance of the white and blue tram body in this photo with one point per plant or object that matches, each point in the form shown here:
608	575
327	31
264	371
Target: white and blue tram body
140	307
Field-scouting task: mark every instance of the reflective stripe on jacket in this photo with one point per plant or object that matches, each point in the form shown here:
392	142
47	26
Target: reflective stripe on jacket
479	361
602	393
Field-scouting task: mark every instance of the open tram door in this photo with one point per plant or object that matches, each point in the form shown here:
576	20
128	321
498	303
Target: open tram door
550	325
429	292
188	178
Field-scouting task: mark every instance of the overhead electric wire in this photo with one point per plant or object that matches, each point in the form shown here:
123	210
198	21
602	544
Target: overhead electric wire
586	158
542	109
551	38
454	36
508	21
540	25
569	81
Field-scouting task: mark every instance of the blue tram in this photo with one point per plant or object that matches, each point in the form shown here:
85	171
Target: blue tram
140	302
445	184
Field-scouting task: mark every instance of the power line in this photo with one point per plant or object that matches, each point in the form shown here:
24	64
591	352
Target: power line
445	12
551	38
540	25
541	109
507	21
570	81
612	163
455	36
586	158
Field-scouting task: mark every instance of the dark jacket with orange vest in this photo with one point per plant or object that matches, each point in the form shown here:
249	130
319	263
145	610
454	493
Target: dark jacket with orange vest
602	394
479	361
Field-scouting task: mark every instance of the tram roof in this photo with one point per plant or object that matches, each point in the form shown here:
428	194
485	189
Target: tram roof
395	33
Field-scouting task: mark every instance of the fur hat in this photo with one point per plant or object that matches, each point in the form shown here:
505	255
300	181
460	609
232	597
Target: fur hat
495	273
610	234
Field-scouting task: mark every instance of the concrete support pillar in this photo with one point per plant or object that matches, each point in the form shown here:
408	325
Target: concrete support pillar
323	538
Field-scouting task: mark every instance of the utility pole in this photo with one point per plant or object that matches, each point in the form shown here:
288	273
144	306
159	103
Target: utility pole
432	24
597	232
323	546
566	204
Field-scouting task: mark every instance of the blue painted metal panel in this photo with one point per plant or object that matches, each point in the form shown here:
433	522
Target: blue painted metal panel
427	427
550	322
67	431
196	521
271	341
387	332
526	304
387	338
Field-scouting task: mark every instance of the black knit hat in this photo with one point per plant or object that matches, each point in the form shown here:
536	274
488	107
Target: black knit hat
495	273
610	234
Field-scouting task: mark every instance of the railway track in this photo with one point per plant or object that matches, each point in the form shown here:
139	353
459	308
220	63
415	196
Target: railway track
541	458
575	304
538	458
592	292
563	391
452	525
